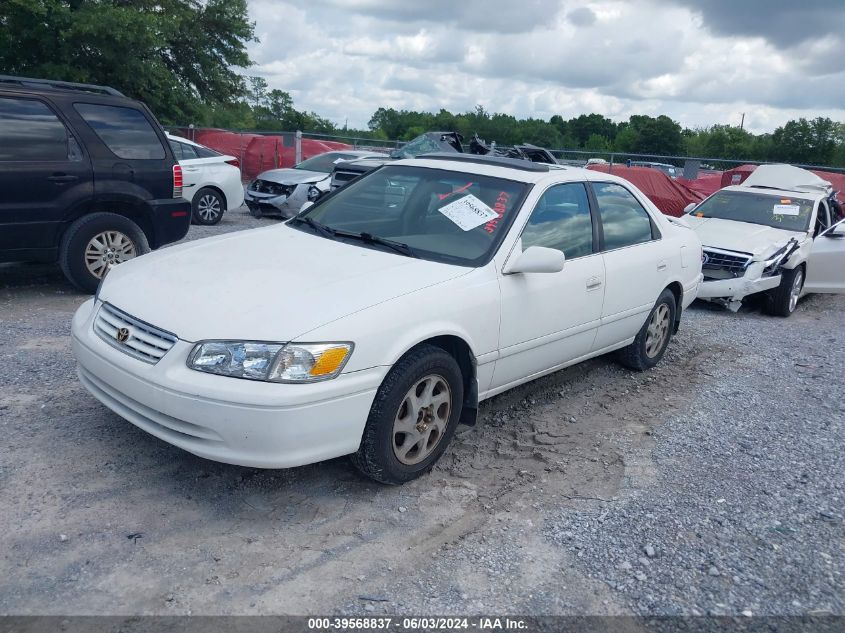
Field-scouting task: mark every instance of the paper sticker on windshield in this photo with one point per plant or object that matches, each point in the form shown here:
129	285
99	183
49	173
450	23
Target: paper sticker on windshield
786	209
468	213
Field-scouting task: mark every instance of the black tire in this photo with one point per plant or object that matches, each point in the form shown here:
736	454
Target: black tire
75	241
780	300
640	355
255	211
208	207
376	456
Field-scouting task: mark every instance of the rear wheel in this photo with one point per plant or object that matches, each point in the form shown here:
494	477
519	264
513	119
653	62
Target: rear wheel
95	243
784	299
413	417
653	338
208	207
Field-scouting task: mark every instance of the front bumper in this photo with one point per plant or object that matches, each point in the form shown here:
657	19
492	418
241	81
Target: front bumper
229	420
286	206
736	289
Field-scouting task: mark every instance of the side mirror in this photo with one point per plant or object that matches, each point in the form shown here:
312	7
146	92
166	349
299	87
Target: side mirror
306	206
537	259
689	207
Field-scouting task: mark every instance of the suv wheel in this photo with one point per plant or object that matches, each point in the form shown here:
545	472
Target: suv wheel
653	338
95	243
208	207
413	417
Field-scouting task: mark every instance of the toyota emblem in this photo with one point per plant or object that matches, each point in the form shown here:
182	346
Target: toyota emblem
122	335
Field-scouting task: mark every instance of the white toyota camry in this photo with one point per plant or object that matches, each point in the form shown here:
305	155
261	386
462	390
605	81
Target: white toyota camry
417	291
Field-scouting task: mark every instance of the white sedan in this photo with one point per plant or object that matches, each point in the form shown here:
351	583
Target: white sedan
211	180
419	290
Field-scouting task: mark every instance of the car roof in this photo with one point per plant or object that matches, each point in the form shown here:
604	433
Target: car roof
358	153
508	168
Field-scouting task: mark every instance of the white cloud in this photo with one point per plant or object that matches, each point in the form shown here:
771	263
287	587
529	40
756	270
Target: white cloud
344	59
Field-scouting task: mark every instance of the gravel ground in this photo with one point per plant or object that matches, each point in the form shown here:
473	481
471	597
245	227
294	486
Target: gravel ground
709	485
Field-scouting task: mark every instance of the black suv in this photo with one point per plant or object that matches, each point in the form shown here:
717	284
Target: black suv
87	178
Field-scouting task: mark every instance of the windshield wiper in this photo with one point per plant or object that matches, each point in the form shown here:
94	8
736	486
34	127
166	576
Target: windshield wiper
369	238
322	229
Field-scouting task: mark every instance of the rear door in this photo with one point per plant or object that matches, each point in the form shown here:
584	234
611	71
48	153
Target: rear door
132	157
44	174
635	263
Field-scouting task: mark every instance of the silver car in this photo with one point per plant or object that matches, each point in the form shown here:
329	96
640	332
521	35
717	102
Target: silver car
284	191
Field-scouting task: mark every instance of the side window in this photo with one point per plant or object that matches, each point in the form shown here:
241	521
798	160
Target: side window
822	220
561	220
125	131
30	131
624	221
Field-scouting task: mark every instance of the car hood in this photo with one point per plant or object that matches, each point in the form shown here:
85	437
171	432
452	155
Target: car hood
292	176
740	236
271	284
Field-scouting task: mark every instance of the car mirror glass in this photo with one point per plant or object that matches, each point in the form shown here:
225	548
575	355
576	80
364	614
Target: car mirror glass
689	207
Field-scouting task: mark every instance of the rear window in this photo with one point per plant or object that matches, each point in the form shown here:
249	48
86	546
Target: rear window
125	131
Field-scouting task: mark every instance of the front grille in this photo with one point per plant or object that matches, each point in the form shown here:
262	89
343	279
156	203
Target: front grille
272	188
732	262
141	340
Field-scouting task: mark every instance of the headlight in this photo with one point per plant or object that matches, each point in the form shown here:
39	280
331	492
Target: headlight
271	362
313	193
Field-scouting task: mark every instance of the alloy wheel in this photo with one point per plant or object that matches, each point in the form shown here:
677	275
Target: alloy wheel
795	290
421	420
657	331
208	207
107	249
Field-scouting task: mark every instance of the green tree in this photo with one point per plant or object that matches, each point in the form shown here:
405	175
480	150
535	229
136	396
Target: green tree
178	56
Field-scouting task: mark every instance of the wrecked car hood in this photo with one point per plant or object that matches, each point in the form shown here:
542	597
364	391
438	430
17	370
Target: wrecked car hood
268	284
787	177
740	236
292	176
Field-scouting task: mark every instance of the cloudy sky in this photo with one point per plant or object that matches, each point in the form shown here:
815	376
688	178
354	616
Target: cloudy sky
698	61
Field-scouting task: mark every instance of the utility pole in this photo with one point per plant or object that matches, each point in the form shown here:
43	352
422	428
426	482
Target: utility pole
742	123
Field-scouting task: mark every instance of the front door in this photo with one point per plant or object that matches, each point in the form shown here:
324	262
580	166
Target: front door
826	263
551	319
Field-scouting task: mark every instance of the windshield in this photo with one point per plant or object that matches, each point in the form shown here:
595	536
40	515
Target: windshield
442	216
788	213
325	162
423	144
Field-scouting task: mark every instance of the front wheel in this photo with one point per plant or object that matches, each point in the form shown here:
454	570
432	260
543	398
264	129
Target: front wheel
784	298
413	417
653	338
208	207
95	243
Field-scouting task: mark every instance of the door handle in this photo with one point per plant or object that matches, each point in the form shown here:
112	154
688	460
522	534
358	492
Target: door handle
62	178
662	265
593	283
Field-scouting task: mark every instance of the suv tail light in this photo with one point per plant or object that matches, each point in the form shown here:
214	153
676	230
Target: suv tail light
234	163
177	181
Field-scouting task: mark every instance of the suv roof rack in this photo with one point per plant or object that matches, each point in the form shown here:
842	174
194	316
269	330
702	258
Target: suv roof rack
58	85
495	161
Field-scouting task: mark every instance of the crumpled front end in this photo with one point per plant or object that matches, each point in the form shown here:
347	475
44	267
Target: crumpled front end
730	276
280	199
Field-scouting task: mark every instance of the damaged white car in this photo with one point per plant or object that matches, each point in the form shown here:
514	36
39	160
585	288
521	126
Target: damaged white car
779	233
284	191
